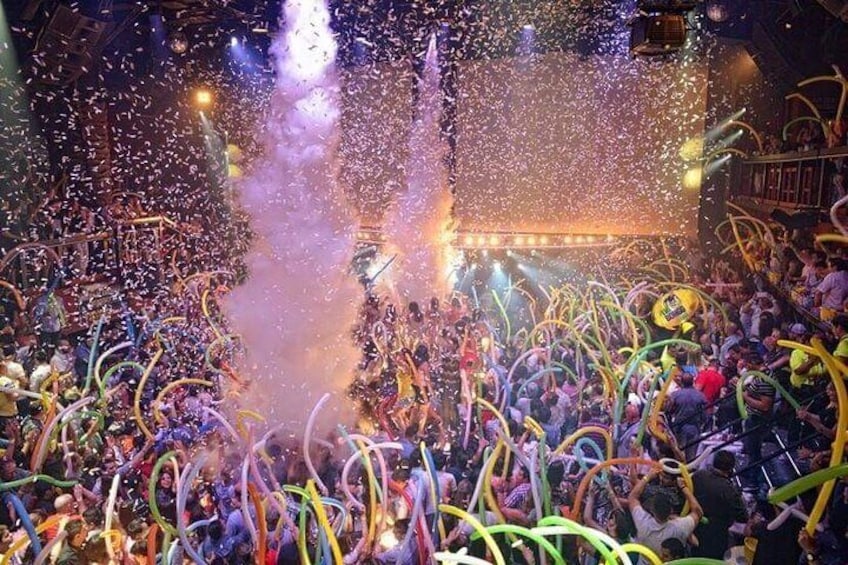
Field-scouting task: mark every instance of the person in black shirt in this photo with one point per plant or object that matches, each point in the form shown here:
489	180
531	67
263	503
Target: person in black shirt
722	504
72	551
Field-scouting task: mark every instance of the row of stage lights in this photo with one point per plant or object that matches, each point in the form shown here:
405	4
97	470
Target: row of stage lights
528	240
467	240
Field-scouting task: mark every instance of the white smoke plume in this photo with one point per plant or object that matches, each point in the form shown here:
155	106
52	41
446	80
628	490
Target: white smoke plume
419	226
297	309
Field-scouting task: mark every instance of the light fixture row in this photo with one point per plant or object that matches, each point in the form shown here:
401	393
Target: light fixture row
484	240
529	240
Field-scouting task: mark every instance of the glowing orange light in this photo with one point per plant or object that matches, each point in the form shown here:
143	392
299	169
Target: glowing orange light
203	97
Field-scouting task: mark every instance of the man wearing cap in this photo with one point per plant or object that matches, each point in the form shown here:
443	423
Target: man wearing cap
804	367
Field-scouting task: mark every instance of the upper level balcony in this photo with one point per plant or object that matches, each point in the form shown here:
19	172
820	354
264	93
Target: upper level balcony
794	181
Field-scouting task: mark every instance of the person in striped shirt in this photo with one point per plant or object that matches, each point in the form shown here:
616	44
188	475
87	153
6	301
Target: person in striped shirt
759	400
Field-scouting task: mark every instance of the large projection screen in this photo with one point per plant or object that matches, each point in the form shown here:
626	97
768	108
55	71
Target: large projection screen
586	145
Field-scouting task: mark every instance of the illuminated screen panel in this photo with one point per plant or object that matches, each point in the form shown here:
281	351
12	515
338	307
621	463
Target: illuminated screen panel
588	145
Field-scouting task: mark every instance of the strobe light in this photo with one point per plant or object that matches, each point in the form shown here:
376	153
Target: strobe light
177	42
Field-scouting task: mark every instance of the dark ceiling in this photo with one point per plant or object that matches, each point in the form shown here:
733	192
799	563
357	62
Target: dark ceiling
803	33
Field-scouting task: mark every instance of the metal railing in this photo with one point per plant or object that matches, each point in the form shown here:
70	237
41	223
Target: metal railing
83	265
789	180
31	265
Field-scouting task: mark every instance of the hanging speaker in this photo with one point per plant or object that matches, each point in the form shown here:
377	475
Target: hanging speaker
657	34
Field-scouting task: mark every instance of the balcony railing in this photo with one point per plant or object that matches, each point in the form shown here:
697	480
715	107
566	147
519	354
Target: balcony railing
790	180
98	271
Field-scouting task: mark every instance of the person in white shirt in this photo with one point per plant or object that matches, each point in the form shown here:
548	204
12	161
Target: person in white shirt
754	310
41	372
833	290
63	358
447	482
652	529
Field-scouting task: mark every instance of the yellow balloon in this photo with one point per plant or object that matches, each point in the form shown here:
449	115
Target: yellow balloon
674	308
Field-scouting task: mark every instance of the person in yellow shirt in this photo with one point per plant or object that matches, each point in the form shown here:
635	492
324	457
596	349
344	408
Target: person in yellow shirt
806	372
8	403
404	373
805	368
840	330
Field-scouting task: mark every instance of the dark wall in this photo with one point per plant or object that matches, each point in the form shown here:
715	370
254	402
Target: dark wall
736	82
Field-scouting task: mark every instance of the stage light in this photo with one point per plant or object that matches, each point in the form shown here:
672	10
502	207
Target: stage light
177	42
543	240
531	240
567	240
519	240
234	41
485	253
497	265
203	97
590	238
494	241
481	240
519	266
579	239
692	178
528	27
509	253
469	240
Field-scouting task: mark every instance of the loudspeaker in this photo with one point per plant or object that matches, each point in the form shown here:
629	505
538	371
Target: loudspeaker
69	45
658	34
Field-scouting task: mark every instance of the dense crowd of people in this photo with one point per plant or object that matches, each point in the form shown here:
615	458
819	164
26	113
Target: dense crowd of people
110	457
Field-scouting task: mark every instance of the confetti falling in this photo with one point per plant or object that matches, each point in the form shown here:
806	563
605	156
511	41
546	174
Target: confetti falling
419	227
